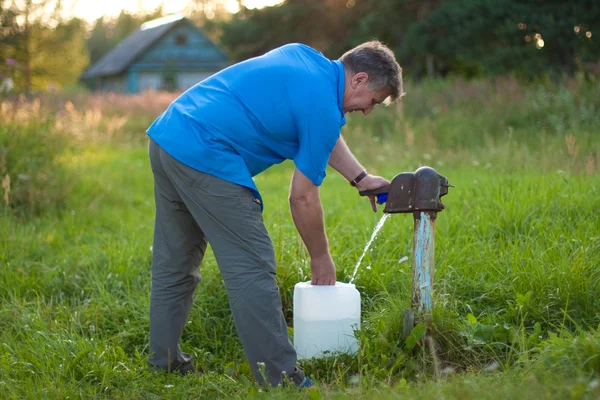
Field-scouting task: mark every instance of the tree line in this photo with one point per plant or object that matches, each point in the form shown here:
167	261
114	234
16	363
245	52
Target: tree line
40	49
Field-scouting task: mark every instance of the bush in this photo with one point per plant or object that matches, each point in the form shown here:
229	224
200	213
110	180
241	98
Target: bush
33	181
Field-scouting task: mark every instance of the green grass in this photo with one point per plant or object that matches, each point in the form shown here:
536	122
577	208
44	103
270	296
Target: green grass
517	280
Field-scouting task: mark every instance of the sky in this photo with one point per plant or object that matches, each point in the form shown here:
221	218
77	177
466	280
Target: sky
93	9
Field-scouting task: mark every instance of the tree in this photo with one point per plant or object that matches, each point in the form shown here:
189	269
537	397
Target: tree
68	38
43	49
389	20
209	15
465	37
502	36
322	24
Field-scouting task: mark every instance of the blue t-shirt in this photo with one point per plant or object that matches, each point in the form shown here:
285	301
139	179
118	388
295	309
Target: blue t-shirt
284	105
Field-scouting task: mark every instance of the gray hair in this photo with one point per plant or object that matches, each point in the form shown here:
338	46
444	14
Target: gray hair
378	61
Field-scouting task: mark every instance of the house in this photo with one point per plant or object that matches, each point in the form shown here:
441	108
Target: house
168	53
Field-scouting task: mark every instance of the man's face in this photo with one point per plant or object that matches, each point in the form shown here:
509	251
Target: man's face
360	97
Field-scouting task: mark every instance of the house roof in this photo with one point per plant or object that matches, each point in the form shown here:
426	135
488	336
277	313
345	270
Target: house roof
119	58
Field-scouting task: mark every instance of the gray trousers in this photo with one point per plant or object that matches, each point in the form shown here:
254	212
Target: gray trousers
193	208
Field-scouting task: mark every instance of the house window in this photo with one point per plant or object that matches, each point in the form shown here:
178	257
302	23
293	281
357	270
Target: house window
180	40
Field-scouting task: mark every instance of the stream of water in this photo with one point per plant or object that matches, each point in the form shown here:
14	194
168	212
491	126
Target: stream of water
373	236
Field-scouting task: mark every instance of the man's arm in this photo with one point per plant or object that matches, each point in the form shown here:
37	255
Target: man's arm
344	162
307	213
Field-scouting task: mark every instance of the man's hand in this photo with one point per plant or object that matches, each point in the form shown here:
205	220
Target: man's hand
322	270
372	182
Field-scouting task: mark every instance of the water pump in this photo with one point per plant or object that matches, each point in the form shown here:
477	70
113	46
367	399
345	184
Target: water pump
419	193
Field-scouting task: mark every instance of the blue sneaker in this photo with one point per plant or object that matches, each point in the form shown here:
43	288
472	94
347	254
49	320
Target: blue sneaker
306	383
300	379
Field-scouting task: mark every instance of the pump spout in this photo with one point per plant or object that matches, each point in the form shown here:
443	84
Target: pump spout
416	191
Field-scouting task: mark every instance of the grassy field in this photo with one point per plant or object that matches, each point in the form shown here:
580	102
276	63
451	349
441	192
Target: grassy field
517	280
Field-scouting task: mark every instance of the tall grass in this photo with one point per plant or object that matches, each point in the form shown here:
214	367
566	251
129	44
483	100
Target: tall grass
499	124
517	253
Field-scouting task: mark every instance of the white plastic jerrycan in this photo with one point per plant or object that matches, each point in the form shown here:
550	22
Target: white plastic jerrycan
325	318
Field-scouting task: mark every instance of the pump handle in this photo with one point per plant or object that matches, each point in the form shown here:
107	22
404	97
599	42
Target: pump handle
372	192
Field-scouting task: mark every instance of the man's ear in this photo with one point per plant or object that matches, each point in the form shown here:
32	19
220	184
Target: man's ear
360	78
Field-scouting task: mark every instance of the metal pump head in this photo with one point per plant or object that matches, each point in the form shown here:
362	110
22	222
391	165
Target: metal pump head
416	191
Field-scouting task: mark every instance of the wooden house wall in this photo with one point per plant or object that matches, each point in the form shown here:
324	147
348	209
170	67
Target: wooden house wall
147	80
115	83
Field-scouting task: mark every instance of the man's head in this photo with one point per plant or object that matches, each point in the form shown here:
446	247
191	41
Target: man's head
372	77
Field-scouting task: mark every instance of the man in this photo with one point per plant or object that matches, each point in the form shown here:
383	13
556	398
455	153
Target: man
205	149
